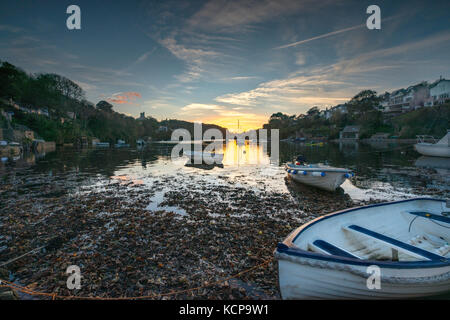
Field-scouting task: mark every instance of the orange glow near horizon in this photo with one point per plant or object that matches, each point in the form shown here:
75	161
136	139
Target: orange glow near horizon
252	122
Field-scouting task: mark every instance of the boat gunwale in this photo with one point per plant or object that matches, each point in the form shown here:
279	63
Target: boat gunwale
314	169
287	245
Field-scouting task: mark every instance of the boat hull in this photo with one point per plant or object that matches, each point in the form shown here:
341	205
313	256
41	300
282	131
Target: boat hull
406	241
309	279
330	182
322	177
199	157
433	150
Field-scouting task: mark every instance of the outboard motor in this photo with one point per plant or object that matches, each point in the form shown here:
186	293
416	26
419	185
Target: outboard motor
300	161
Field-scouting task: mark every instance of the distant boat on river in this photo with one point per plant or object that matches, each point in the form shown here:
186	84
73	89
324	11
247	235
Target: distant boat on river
440	148
200	157
101	144
121	144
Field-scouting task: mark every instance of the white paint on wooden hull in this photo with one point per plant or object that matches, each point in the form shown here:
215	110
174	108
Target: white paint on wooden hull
330	182
306	273
330	179
303	281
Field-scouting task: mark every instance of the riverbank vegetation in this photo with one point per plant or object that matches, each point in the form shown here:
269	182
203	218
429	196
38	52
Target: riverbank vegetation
56	109
363	110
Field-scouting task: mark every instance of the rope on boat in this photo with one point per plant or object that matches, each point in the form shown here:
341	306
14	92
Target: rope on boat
54	296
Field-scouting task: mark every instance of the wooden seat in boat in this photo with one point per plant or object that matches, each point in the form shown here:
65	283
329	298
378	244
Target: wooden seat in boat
326	247
431	216
396	244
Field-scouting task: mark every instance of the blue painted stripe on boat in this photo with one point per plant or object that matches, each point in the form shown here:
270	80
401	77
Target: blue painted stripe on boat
331	249
395	242
337	213
284	249
431	216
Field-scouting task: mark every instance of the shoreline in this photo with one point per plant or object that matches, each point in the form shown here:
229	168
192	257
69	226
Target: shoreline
126	244
127	250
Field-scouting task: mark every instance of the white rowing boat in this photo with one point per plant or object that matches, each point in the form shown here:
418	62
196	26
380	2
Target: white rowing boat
319	176
204	157
101	144
439	149
382	251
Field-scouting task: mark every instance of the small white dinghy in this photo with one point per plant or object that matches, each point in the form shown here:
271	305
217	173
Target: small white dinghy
336	256
317	175
204	157
439	149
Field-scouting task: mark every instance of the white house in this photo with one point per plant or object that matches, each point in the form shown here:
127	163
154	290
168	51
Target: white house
440	92
397	100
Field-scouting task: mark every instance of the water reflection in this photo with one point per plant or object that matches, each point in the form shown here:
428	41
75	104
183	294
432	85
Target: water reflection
245	153
381	173
433	162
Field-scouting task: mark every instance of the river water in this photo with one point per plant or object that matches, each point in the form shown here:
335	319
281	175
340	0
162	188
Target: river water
138	222
383	171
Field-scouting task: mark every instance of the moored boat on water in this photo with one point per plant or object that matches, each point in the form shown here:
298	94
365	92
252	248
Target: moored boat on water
334	256
121	144
318	175
200	157
101	144
440	148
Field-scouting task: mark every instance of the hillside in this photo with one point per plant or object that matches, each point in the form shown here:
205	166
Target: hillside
362	110
56	109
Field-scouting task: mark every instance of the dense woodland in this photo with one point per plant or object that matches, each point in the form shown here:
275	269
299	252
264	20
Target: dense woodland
363	110
61	96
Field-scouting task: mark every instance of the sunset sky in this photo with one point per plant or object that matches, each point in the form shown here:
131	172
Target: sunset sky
221	61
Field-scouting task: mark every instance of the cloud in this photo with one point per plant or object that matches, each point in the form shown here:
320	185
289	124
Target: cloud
9	28
232	16
240	78
300	59
332	33
144	57
86	86
320	36
200	106
334	83
194	58
223	115
288	90
124	97
205	109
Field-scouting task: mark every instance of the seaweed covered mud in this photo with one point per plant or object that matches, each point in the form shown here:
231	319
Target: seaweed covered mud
138	224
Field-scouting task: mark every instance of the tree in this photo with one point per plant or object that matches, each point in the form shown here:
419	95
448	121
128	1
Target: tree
314	111
104	106
67	87
12	79
365	101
